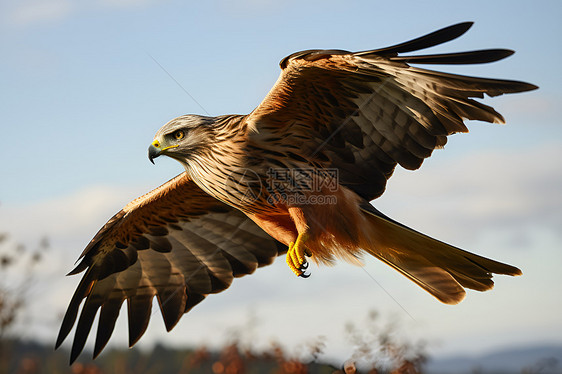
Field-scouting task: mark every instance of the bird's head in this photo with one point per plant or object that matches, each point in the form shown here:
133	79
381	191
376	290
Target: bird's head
182	138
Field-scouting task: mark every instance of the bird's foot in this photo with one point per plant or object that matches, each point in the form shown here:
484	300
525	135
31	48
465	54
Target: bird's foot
296	256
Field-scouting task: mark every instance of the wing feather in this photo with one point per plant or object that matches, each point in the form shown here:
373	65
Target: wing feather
139	308
440	36
175	243
365	112
108	317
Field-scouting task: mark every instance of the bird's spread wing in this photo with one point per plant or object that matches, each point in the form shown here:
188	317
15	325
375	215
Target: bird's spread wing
363	113
176	243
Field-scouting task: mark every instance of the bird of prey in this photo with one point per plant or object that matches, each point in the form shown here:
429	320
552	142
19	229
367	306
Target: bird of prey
294	176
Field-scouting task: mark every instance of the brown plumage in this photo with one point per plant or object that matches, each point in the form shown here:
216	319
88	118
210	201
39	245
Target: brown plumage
297	172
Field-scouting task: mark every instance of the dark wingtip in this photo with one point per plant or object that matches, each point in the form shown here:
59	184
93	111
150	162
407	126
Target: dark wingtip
106	324
75	351
78	269
172	306
72	311
63	332
482	56
432	39
99	346
60	339
508	52
458	29
464	25
139	310
513	271
73	357
499	54
530	87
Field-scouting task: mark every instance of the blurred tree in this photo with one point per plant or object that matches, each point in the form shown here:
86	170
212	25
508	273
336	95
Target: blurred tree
17	264
379	348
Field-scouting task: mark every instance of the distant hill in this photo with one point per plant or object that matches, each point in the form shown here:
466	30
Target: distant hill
544	359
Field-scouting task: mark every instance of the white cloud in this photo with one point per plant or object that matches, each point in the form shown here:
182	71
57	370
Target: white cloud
127	3
538	108
65	216
30	12
517	189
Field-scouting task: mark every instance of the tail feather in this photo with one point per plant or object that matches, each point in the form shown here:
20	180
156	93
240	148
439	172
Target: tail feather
435	280
437	267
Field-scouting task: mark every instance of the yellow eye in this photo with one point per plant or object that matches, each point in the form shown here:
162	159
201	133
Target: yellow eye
178	135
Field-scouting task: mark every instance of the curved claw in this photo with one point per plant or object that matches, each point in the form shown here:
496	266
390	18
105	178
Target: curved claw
302	269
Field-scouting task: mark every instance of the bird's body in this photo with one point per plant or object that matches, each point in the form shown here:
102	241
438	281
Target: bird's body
274	190
296	175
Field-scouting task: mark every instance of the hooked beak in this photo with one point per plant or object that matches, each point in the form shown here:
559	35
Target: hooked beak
154	150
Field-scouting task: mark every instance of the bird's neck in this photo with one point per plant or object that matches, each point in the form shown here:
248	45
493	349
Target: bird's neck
224	156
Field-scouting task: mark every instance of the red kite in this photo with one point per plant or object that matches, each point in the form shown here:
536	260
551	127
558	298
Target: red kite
296	175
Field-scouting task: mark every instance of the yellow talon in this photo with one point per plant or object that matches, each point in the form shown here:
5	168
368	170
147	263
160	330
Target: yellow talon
295	255
290	260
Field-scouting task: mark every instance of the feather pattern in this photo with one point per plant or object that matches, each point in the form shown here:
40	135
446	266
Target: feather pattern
177	244
366	112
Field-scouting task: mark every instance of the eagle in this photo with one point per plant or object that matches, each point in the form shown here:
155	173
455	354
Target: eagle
295	176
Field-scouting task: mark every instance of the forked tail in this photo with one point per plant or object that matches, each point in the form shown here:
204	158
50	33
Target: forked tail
437	267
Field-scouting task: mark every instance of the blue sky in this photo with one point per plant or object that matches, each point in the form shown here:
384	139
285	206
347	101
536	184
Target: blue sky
82	98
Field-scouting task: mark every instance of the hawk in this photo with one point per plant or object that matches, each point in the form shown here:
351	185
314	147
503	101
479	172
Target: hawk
294	176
